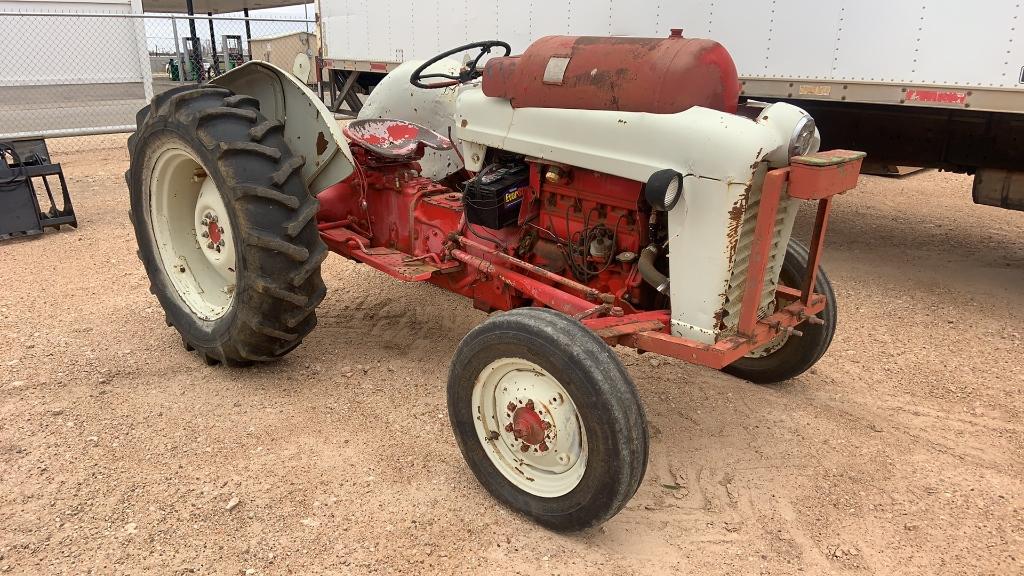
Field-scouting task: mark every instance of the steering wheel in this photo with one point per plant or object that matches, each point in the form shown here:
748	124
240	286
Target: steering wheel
467	73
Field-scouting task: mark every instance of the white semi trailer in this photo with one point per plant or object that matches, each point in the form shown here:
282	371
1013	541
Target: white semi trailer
935	83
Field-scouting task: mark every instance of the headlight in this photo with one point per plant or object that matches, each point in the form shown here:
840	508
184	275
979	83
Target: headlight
664	188
803	137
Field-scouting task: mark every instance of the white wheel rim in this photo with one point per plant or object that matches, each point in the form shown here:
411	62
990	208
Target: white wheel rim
193	233
530	427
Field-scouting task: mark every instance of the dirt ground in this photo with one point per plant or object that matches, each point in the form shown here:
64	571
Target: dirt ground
900	453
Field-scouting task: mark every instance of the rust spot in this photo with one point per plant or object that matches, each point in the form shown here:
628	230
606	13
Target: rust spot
720	317
321	143
735	220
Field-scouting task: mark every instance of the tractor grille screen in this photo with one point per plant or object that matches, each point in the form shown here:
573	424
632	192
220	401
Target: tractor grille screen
738	282
494	197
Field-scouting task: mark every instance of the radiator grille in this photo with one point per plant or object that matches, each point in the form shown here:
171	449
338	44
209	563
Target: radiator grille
741	260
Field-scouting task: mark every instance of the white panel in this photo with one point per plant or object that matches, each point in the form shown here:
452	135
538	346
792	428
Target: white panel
1013	66
693	16
803	39
968	47
356	27
400	29
744	31
548	17
451	29
866	40
590	18
330	27
426	18
634	18
482	21
378	45
514	24
877	39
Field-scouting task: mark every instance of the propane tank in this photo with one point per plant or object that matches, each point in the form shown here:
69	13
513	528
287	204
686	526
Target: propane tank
657	75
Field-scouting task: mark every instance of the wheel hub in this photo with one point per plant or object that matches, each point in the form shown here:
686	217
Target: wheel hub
530	427
211	229
191	227
211	232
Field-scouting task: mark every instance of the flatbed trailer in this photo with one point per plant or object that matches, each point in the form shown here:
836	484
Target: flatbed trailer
934	84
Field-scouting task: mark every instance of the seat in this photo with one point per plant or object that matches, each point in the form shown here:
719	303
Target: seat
394	139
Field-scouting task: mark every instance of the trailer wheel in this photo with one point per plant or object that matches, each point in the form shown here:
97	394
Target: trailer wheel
225	225
547	418
789	356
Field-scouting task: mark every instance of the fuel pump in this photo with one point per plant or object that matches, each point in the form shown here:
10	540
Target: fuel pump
195	71
233	55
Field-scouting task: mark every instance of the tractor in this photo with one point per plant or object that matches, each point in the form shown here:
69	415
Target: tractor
591	192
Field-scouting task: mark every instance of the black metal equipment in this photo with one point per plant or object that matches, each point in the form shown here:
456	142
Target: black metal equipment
21	161
493	198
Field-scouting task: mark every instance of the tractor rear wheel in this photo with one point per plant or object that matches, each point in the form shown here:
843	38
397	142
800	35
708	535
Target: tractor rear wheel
790	356
547	418
225	225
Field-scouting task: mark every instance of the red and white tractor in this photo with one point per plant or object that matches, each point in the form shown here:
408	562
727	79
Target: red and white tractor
593	191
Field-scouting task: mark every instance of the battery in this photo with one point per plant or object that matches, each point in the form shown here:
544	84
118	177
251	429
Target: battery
494	197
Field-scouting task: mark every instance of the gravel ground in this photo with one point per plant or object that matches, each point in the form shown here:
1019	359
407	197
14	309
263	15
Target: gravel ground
901	452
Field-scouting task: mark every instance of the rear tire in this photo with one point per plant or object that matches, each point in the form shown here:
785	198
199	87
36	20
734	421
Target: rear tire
797	354
263	304
547	418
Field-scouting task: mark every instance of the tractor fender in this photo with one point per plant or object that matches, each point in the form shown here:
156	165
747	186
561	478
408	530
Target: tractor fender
309	127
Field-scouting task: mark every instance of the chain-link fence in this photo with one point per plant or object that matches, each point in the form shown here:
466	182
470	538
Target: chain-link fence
67	74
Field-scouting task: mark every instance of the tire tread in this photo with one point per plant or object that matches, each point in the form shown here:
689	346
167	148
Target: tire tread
280	285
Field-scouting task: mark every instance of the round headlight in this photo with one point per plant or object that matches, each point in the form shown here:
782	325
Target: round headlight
803	137
664	188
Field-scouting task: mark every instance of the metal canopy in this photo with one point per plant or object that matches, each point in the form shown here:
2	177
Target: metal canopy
215	6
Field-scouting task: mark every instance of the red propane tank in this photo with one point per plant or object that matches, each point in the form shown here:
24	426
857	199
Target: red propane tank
659	75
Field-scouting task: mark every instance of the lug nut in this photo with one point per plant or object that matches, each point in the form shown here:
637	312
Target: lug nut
209	244
205	234
213	218
221	243
205	222
220	229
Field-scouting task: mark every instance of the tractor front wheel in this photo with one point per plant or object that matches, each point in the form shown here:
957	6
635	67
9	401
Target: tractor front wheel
225	225
789	356
547	418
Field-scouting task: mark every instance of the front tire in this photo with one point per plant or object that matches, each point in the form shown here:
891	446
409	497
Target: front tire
792	355
225	225
547	418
